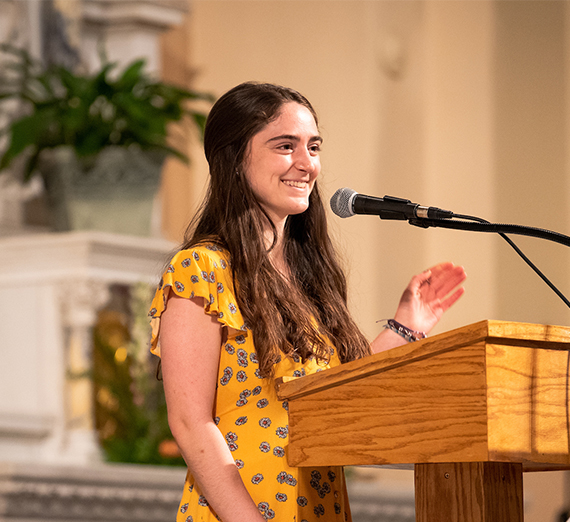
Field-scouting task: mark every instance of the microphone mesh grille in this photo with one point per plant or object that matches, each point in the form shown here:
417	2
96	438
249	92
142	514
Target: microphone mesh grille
341	202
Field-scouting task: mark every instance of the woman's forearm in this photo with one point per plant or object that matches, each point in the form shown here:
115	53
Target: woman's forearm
213	468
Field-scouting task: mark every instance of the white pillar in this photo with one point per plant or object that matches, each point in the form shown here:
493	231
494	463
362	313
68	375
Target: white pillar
80	301
126	30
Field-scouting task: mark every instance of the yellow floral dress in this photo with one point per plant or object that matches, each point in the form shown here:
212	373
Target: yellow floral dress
248	413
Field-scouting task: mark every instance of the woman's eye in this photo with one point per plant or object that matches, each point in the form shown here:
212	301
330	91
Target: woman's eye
315	149
286	146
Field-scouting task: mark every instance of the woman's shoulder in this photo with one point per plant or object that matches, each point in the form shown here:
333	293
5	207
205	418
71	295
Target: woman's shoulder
201	270
207	252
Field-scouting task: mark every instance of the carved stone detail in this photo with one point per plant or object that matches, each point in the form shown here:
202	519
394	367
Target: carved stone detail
81	299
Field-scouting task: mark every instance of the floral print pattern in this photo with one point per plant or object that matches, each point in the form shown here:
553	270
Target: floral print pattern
253	421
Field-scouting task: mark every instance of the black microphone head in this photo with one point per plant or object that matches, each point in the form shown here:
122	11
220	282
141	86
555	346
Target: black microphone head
342	202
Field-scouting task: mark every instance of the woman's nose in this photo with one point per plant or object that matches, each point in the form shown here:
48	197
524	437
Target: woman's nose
304	161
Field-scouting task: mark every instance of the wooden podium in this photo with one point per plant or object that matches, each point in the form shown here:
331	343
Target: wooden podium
470	409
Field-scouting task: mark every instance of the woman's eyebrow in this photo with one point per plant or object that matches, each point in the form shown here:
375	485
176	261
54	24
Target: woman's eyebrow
292	137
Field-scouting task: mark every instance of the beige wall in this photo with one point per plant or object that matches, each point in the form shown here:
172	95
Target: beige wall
530	164
457	104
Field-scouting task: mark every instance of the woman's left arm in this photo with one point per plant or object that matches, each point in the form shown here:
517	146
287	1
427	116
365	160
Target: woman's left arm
425	299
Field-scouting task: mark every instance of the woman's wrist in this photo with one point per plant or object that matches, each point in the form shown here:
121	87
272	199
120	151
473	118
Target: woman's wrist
403	331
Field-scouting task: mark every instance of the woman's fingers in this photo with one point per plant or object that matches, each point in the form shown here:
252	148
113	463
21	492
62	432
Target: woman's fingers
444	278
451	299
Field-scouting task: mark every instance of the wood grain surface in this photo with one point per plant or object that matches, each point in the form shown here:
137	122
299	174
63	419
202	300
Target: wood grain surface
469	492
491	391
527	395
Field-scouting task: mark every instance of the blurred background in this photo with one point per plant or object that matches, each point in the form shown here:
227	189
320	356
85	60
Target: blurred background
459	104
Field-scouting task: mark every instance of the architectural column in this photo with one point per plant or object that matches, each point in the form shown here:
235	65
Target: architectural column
125	30
80	299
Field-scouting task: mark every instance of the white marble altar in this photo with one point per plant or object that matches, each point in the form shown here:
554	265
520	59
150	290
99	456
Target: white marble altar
51	287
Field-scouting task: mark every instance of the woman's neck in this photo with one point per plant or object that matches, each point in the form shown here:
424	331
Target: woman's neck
277	253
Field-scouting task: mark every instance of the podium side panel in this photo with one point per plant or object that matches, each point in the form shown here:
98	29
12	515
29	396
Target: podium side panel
529	414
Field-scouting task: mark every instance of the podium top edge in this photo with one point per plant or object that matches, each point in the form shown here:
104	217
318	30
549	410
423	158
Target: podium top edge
531	335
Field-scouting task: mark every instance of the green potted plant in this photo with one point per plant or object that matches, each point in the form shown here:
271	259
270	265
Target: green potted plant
93	138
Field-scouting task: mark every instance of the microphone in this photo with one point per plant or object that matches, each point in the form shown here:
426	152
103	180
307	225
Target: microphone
346	203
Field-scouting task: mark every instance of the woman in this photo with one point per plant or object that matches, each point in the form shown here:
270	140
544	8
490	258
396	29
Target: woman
256	293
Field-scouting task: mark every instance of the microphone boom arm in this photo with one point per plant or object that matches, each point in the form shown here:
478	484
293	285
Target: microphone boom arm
482	225
346	202
497	228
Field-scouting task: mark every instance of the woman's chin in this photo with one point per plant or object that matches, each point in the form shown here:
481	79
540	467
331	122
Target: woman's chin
299	209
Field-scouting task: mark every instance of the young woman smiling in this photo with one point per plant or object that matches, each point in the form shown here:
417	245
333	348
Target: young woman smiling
255	293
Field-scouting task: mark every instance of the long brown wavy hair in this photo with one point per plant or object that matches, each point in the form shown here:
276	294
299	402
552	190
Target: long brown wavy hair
284	315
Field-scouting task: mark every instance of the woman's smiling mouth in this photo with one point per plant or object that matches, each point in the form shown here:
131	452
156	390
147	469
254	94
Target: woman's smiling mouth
298	184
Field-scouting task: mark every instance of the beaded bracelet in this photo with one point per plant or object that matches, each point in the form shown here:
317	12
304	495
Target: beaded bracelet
408	334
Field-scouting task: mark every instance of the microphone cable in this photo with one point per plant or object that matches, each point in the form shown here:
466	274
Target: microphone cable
521	254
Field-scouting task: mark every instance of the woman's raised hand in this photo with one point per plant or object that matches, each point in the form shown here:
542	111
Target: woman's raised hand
429	295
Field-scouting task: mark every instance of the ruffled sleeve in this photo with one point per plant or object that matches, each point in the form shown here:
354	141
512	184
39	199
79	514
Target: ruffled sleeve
202	271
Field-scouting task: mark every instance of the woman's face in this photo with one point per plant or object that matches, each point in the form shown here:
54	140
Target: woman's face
283	162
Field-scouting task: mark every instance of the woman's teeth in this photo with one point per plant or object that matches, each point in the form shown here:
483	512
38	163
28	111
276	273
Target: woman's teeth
298	184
